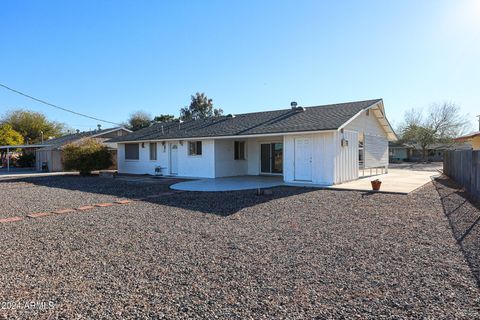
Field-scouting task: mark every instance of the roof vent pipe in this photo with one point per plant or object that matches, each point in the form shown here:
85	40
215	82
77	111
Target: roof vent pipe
300	109
293	104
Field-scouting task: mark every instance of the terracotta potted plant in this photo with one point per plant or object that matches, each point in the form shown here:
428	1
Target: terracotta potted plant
376	184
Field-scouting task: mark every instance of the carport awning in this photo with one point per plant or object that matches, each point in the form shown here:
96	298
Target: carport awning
22	146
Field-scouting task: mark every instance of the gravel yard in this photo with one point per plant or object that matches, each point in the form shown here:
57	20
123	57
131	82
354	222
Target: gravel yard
300	253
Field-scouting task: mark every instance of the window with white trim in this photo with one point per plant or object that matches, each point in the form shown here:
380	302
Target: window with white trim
153	151
132	151
195	148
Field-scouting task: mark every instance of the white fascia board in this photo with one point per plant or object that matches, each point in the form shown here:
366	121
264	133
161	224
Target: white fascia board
24	146
231	137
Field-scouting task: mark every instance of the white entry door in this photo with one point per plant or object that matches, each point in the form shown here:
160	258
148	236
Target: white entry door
303	159
173	158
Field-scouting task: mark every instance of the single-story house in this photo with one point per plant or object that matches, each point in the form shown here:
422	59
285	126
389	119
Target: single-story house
413	152
320	145
48	155
472	139
398	152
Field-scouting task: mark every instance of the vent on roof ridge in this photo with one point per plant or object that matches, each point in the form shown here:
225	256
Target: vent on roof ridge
230	116
296	108
300	109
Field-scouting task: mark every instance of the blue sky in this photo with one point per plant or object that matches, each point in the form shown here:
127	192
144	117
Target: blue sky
110	58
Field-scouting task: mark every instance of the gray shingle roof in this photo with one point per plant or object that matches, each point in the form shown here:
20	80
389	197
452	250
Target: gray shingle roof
318	118
69	138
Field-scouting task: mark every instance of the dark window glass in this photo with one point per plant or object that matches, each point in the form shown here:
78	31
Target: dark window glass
153	151
199	148
195	148
265	158
271	158
239	150
132	151
277	157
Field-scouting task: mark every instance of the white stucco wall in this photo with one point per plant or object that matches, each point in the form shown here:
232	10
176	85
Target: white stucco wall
225	164
331	163
202	166
188	166
144	165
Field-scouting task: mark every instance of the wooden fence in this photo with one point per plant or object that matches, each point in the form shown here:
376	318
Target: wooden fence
463	166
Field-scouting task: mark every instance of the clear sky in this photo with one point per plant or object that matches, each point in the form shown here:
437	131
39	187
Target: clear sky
110	58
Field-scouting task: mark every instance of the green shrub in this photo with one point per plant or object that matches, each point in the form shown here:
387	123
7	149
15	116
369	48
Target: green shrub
26	160
86	157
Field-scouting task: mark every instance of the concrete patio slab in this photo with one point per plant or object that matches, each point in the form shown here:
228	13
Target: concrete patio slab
230	183
401	181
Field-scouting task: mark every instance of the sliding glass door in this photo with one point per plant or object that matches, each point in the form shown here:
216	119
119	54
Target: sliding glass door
271	157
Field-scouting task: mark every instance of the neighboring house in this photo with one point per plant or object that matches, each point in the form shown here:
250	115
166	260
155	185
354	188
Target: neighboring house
472	139
413	152
398	152
434	152
321	145
48	155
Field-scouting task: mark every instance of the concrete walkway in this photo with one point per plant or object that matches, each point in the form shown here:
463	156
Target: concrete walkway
230	183
401	181
30	174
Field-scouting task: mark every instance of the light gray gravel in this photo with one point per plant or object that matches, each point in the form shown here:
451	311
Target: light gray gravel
464	219
301	253
22	196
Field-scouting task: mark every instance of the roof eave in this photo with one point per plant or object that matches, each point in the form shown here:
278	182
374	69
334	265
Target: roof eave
391	135
228	136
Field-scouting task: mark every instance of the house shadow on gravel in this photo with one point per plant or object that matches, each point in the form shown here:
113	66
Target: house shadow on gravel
463	215
218	203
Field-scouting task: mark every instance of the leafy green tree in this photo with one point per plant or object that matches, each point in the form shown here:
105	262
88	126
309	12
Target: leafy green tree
200	107
442	124
8	137
139	120
164	118
86	157
32	125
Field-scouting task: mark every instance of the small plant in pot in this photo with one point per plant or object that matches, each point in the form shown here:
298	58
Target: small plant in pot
376	184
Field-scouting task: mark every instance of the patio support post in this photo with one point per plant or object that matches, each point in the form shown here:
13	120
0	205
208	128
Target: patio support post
8	159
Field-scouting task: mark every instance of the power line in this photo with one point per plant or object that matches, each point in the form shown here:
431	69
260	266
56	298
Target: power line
55	106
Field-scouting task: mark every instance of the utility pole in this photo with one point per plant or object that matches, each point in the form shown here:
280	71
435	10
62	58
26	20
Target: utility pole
478	122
